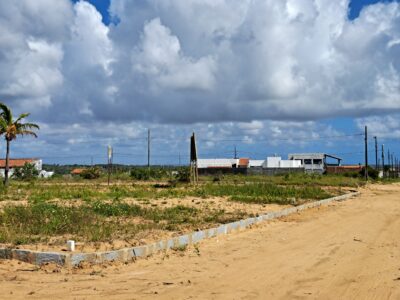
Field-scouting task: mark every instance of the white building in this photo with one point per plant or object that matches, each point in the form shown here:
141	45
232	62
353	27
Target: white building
277	163
20	162
314	162
270	162
210	163
217	163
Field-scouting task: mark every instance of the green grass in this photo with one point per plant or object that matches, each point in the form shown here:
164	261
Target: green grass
269	193
294	179
229	185
262	193
35	223
45	191
101	213
98	221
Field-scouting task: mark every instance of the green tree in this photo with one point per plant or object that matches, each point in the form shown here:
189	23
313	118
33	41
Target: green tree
11	129
27	172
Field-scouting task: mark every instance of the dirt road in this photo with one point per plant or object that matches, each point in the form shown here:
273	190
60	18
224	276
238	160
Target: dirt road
347	250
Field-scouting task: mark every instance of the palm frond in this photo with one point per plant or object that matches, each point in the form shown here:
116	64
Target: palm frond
3	126
6	113
11	129
27	132
24	126
21	116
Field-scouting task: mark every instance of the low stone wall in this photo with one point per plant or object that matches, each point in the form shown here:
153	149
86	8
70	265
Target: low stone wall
70	259
274	171
222	171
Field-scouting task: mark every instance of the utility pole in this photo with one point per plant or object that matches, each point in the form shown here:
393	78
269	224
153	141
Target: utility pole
376	153
366	153
148	149
235	153
194	173
109	156
392	164
388	157
179	157
383	160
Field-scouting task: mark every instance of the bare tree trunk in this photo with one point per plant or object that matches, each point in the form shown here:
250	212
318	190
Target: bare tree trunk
7	163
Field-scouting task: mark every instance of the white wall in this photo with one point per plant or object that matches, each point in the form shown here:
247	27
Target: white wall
272	162
277	162
38	164
46	174
217	162
290	164
255	163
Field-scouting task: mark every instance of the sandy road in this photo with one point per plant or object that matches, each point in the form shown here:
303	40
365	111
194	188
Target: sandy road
347	250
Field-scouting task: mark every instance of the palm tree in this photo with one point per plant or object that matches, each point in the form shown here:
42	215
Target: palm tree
11	129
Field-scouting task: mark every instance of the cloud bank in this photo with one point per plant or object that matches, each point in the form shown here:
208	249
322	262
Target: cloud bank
199	61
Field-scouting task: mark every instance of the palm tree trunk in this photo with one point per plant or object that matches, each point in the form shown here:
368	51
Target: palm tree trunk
7	163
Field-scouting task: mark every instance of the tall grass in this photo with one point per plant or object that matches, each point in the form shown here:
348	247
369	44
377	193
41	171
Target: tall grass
262	192
105	214
99	221
293	179
23	224
270	192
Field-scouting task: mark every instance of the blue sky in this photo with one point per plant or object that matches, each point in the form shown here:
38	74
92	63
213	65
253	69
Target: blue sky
102	6
355	7
264	77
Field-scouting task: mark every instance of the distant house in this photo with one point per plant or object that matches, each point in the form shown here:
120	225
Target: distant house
237	165
227	163
243	163
77	171
223	165
315	162
296	163
18	163
220	163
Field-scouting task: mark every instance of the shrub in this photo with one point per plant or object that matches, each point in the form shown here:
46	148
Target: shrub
147	174
183	175
140	174
351	174
27	172
372	173
91	173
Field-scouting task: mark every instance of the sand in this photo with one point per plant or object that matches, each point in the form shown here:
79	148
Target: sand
347	250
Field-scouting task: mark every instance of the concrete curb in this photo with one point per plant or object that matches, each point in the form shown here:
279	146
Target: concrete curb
129	254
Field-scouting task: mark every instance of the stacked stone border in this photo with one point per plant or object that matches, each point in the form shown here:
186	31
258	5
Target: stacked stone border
129	254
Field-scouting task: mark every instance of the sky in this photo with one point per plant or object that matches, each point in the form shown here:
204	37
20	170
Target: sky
265	77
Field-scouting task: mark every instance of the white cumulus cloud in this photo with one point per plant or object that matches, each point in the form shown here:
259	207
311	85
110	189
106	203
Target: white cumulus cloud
159	56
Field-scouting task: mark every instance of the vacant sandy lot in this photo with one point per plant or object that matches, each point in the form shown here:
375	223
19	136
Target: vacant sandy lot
347	250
